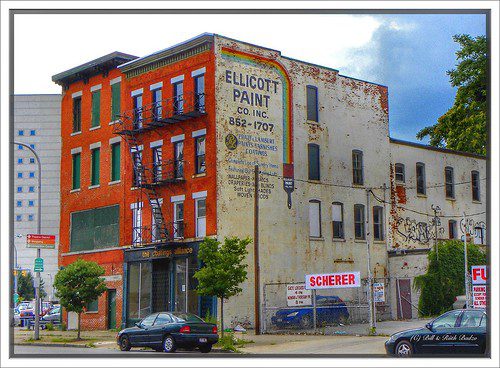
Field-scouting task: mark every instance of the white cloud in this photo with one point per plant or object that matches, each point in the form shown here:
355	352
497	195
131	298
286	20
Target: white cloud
48	44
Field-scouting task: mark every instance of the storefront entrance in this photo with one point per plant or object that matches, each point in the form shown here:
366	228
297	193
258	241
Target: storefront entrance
163	280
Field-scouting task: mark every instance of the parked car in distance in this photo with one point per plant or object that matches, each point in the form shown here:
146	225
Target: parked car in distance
167	331
461	331
329	309
53	315
460	302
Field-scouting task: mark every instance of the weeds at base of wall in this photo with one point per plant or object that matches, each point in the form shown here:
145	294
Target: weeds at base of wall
232	343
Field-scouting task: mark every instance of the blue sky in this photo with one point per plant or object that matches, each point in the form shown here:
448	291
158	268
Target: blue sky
411	54
408	53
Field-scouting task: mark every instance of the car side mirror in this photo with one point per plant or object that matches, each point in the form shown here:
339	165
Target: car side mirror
429	326
138	324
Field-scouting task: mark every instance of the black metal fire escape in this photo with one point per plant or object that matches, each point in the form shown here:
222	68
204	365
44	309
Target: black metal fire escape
149	178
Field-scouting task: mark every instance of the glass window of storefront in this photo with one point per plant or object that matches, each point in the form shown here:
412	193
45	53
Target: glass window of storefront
139	290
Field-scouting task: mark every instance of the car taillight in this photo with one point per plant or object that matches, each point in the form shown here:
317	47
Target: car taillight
456	298
185	329
214	329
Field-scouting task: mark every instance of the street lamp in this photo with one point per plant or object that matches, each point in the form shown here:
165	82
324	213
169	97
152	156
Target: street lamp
39	231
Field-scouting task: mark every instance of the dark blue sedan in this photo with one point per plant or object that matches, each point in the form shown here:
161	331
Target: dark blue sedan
456	332
329	309
167	331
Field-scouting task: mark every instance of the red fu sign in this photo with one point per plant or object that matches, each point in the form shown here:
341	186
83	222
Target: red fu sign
479	275
333	280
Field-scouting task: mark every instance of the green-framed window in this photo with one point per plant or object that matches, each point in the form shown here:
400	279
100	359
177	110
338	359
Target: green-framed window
96	108
95	166
115	161
77	159
115	101
93	306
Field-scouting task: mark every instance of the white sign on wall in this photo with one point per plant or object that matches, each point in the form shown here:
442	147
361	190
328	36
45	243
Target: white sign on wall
297	294
333	280
479	296
379	292
479	275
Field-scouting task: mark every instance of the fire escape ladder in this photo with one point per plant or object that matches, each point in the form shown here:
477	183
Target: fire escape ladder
159	220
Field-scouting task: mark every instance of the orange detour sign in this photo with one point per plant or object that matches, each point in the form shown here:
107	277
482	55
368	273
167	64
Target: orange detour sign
40	241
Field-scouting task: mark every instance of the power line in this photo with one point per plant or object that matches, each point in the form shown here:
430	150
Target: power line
424	213
357	186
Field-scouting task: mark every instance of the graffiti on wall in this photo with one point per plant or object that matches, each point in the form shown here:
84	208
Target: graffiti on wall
419	231
477	229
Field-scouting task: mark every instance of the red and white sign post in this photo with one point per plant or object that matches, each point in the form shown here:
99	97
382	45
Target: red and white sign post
479	277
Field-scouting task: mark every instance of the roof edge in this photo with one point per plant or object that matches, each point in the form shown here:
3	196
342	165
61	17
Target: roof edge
438	149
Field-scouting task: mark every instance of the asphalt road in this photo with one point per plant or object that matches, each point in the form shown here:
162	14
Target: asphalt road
24	351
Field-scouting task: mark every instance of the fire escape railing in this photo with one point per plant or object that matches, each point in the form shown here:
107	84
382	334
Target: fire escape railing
151	235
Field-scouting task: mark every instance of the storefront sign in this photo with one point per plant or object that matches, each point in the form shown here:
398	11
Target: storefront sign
297	294
479	275
40	241
379	292
152	253
479	296
333	280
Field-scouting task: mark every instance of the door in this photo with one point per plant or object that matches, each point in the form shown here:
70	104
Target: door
111	309
159	327
403	292
143	335
180	285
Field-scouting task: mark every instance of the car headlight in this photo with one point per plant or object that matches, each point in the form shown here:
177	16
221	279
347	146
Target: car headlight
293	314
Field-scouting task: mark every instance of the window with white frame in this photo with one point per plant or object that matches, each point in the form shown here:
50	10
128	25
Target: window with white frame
155	222
178	225
399	171
201	217
359	221
136	223
314	218
378	223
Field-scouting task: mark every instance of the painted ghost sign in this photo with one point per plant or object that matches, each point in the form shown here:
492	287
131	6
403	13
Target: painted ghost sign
259	115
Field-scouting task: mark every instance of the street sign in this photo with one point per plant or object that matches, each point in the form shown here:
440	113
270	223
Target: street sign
379	292
479	296
479	275
38	264
40	241
333	280
297	294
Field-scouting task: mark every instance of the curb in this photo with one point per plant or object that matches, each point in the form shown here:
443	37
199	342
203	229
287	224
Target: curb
53	345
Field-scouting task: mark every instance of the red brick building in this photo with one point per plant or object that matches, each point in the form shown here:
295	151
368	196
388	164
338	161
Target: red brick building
138	178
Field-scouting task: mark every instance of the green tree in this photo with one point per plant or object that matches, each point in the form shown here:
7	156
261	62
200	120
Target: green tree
223	269
26	288
463	127
444	279
78	285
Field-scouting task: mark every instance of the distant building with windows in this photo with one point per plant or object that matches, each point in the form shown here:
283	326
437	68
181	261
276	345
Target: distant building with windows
160	151
37	123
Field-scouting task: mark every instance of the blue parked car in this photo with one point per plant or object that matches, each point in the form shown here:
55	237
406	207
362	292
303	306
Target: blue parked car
329	309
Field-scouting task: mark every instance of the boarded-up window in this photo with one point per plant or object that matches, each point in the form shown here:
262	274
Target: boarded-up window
449	182
95	166
95	229
77	114
312	103
96	108
337	220
115	101
420	178
315	219
476	193
76	171
115	161
313	159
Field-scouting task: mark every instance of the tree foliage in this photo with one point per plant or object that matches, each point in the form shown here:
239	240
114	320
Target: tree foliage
26	288
79	284
444	279
464	126
223	269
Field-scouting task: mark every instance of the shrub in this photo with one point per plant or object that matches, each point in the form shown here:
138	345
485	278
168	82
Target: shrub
49	327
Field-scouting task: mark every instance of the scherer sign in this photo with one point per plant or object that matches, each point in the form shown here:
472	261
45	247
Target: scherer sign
333	280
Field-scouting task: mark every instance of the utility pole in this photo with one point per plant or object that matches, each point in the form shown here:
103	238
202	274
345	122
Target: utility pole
370	286
256	252
38	251
436	209
466	279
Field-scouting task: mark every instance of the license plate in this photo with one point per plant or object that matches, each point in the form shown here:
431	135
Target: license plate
203	339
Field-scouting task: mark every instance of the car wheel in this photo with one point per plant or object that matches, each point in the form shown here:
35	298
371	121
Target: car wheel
306	322
125	343
404	348
169	344
206	348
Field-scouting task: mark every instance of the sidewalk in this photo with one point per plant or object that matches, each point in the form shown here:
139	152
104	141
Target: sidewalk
23	336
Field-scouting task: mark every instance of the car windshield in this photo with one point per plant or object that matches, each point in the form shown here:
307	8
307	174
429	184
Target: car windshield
187	317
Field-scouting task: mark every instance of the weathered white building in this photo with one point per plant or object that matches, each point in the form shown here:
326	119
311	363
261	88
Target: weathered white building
326	136
37	122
